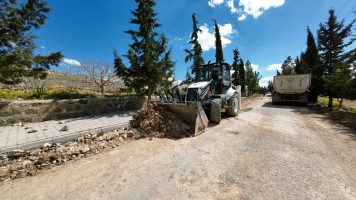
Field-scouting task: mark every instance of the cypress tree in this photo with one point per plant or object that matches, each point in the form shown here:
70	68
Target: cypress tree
311	64
235	67
219	56
242	75
196	52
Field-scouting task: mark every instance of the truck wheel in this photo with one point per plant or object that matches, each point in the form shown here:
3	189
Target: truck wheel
215	110
233	104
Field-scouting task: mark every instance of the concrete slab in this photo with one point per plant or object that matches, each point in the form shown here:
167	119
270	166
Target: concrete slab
16	137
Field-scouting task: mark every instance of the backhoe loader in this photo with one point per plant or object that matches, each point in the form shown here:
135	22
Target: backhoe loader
202	101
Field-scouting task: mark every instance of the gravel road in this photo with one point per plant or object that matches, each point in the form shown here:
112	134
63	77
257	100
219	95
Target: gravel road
268	152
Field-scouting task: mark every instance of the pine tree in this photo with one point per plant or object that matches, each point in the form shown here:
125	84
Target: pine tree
331	44
149	56
250	75
17	58
242	75
196	52
219	56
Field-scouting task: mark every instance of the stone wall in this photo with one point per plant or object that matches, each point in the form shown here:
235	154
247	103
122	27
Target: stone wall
42	110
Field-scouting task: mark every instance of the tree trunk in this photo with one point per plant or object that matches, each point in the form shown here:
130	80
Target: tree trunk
330	104
340	102
102	89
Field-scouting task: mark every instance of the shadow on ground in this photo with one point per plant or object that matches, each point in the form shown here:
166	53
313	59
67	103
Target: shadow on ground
345	119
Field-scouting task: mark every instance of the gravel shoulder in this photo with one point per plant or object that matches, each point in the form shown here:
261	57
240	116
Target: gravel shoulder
267	152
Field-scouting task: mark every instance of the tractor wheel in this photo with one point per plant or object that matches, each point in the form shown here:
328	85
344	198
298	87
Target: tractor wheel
233	104
215	110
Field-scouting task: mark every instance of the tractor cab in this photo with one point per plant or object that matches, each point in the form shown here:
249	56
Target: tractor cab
219	73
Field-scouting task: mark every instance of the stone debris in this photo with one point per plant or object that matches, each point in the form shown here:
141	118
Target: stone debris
60	122
20	163
157	121
32	131
17	124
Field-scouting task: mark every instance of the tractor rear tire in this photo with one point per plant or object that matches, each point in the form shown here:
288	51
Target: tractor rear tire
233	104
215	111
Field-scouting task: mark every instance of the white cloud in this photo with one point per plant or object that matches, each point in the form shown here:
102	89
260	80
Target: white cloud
42	47
248	7
207	39
71	62
242	17
254	67
257	7
264	81
274	67
213	3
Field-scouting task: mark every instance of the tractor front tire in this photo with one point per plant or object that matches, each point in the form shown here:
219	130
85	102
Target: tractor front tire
233	104
215	111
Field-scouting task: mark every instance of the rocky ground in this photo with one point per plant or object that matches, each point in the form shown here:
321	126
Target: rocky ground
152	122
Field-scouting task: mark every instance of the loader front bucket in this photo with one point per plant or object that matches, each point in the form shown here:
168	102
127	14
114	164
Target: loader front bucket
191	113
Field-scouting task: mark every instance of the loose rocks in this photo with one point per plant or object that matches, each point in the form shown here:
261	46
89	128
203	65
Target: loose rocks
157	121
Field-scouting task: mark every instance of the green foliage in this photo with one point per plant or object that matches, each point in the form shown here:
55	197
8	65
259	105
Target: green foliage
252	78
310	63
17	58
219	56
50	94
288	66
239	71
332	39
149	56
195	54
339	80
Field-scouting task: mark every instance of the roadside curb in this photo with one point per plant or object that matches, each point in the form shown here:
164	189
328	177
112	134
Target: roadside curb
63	138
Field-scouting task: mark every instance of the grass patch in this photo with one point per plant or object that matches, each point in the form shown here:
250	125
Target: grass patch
353	110
325	100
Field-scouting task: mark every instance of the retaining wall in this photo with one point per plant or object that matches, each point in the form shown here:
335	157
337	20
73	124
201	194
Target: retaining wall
42	110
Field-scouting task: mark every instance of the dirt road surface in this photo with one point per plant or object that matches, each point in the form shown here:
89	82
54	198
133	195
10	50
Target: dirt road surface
268	152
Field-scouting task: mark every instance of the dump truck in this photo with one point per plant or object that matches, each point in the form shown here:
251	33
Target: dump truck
202	101
291	89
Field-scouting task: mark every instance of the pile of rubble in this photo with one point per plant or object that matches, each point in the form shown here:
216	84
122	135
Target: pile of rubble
19	163
157	121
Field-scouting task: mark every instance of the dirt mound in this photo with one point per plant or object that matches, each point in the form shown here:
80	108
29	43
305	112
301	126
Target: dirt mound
345	118
158	121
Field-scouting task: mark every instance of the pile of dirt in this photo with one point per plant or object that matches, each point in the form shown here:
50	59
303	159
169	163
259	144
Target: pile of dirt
341	116
158	121
344	117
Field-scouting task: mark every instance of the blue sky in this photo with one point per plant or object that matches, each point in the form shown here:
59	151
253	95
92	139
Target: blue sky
264	31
